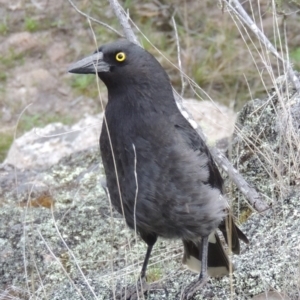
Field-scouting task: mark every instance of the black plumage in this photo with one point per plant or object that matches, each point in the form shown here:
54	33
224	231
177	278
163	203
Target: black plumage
160	174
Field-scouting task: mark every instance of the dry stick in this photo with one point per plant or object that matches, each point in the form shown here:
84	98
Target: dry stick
249	192
239	11
179	57
123	18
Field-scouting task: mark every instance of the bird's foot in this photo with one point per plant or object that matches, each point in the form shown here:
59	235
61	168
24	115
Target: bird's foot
192	288
137	291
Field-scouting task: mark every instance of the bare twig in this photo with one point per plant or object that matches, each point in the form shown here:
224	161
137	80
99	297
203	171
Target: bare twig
136	191
179	56
123	18
249	192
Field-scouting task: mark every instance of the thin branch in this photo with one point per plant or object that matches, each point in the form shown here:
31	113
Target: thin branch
123	18
179	56
136	190
248	191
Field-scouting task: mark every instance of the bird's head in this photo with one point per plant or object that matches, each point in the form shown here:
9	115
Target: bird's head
121	63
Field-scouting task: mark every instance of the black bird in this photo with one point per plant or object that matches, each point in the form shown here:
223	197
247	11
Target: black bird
160	174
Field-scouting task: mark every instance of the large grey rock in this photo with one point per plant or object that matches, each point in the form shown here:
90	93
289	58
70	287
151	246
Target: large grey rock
216	120
44	147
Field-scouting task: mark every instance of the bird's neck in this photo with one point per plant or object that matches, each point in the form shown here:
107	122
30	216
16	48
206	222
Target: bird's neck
142	97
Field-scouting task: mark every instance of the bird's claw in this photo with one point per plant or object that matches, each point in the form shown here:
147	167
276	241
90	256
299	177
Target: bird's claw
133	292
193	287
136	291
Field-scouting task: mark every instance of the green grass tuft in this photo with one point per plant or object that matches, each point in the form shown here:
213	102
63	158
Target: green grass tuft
28	122
6	140
154	274
85	85
3	28
295	57
31	25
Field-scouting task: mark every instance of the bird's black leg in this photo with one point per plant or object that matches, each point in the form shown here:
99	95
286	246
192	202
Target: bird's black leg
150	239
137	290
145	264
195	286
203	258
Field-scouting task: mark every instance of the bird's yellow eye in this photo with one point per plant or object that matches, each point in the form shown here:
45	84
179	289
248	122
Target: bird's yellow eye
120	56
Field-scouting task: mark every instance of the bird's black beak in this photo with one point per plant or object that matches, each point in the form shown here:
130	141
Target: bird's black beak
90	65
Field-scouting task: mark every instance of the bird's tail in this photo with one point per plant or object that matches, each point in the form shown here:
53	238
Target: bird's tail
217	260
218	263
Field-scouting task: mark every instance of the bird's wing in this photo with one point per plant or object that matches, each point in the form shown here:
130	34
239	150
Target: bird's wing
193	139
215	180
